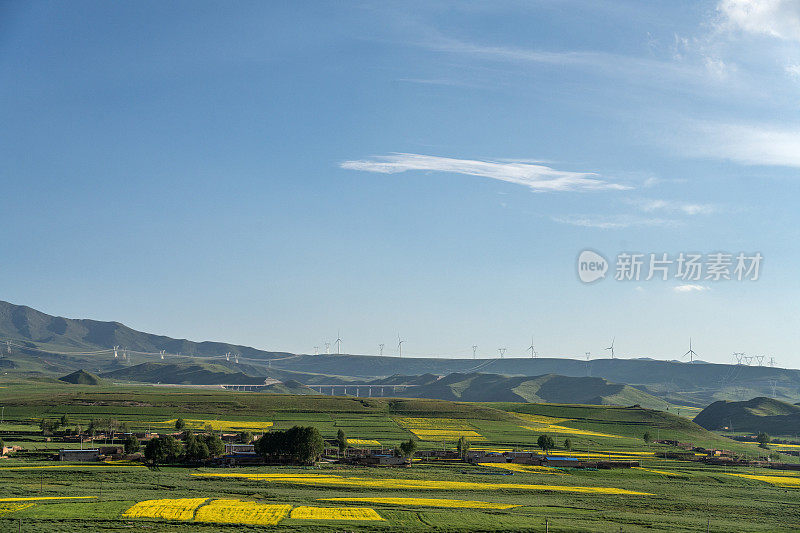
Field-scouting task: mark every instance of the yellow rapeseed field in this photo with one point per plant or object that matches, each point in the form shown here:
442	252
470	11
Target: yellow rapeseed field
8	508
334	513
426	502
516	467
418	484
39	498
438	428
363	442
218	425
782	481
239	512
171	509
545	424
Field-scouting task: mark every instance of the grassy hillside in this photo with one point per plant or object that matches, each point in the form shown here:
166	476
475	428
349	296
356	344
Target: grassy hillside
477	387
759	414
81	377
288	387
185	373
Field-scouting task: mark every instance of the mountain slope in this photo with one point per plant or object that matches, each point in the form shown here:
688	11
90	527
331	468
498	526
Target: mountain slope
183	373
477	387
39	330
759	414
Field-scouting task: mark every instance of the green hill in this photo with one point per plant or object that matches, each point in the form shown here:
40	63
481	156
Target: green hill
759	414
288	387
183	373
81	377
477	387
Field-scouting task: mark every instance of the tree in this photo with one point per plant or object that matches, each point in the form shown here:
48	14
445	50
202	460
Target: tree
214	445
763	439
546	442
131	444
2	444
180	424
195	448
408	448
245	437
300	443
463	447
568	443
341	441
163	449
647	437
64	420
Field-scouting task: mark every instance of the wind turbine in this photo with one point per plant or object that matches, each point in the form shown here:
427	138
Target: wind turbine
400	345
327	348
534	355
691	353
612	347
338	342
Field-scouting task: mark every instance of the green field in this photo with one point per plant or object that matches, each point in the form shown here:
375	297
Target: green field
666	495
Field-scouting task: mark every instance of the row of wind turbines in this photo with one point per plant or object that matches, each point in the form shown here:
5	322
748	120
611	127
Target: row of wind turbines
740	357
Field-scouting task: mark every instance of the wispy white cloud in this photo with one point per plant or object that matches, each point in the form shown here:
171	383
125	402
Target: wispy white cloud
690	287
614	221
776	18
752	144
649	205
535	176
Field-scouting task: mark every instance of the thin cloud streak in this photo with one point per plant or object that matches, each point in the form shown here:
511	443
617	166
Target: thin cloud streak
652	205
689	287
613	222
534	176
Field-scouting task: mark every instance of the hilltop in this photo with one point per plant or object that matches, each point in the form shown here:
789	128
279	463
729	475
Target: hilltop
183	373
81	377
549	388
759	414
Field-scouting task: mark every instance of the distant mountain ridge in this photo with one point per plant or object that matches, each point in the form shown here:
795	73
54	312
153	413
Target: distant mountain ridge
43	336
46	332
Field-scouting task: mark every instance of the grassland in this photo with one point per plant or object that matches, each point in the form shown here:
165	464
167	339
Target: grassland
663	495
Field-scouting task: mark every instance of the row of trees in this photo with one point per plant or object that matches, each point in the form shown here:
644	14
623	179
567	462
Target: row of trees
167	449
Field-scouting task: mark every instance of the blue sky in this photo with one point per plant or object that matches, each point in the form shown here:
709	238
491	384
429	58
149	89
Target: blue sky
270	173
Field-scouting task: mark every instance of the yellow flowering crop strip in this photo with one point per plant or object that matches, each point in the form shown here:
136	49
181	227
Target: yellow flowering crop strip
8	508
169	509
528	469
438	428
70	467
662	472
782	481
239	512
334	513
217	425
549	427
40	498
363	442
417	484
426	502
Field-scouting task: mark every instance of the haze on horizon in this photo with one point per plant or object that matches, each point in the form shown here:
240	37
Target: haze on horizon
270	175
